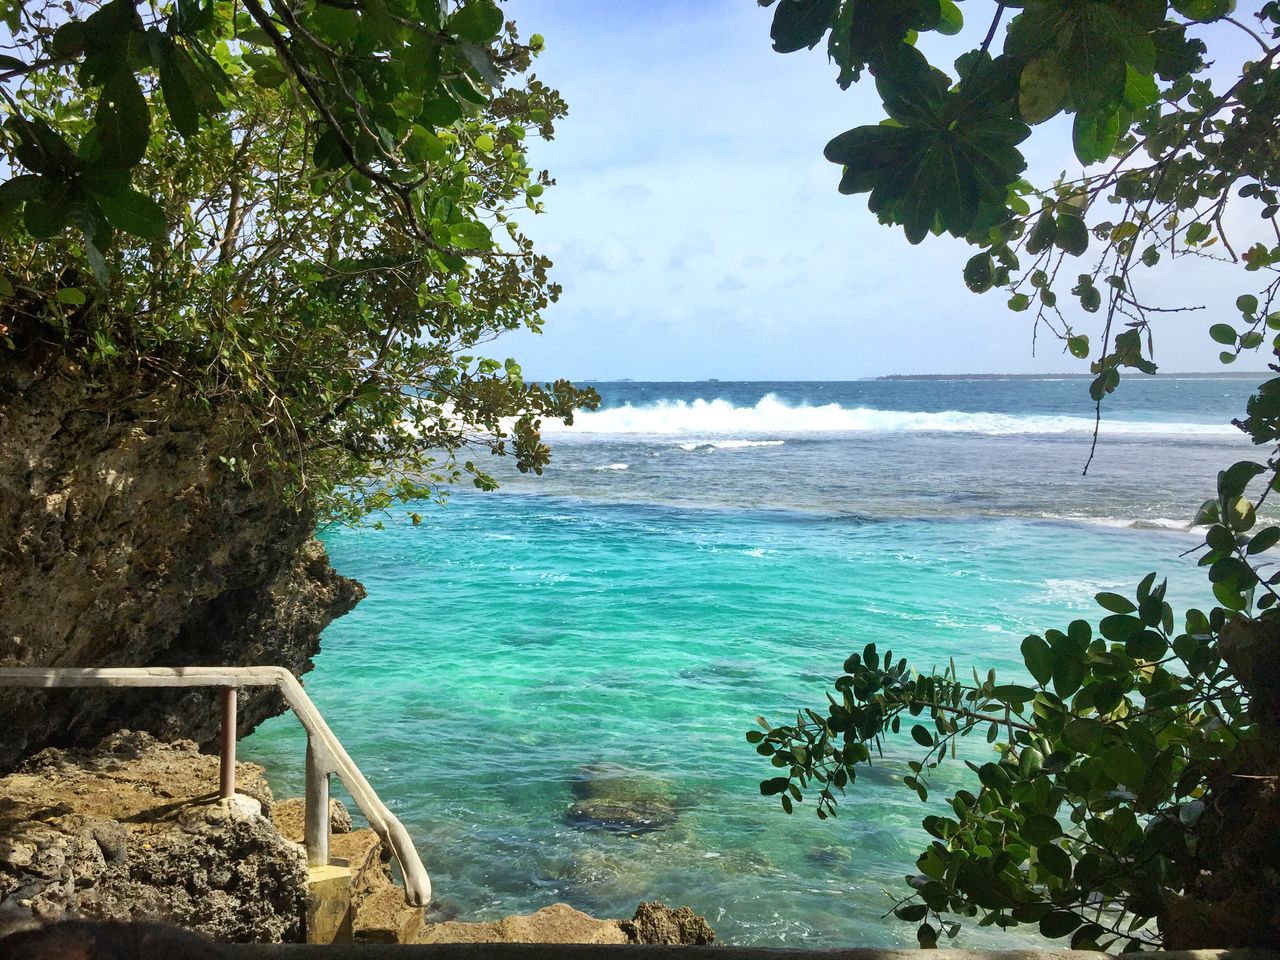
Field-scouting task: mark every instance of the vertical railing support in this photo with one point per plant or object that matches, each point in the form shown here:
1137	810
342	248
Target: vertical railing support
227	770
315	831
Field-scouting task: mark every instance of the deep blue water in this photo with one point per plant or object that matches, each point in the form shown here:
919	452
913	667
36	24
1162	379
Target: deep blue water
699	554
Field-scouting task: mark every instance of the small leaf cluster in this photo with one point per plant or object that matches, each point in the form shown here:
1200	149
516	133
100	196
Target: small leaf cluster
380	79
1084	820
1155	139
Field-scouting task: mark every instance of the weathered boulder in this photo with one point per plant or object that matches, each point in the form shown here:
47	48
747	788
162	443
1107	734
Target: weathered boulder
658	923
133	831
126	539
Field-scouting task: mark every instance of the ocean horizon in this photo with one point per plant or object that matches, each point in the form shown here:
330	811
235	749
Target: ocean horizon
700	553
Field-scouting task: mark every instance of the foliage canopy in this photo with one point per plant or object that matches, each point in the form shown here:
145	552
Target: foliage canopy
299	215
1130	792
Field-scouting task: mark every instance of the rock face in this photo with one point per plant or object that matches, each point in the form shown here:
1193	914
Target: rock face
130	832
126	540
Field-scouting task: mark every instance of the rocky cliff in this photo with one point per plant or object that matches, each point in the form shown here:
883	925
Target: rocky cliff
128	539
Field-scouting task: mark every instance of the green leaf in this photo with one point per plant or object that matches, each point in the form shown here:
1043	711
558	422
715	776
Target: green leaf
774	785
1043	88
1204	10
1072	236
478	21
470	235
1079	345
46	216
122	123
71	295
952	20
800	24
911	912
1094	135
1013	693
1059	923
1040	828
1233	481
1223	333
1054	859
1264	539
20	189
921	735
1124	765
1247	303
1147	645
1115	603
1038	656
134	213
1041	239
978	273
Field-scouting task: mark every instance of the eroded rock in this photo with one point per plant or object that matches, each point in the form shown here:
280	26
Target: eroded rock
126	541
133	831
657	923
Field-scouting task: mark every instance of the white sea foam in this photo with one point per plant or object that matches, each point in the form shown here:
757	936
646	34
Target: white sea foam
771	416
612	466
1123	523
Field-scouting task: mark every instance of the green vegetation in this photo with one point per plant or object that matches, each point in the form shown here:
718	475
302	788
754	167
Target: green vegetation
1129	800
298	217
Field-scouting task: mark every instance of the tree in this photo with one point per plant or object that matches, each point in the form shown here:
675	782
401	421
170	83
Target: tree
299	216
1131	799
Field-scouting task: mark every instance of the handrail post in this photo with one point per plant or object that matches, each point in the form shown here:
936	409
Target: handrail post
315	831
227	768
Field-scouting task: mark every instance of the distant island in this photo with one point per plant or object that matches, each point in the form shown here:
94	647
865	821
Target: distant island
1224	374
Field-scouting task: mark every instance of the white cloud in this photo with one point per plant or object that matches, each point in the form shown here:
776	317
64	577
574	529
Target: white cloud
691	163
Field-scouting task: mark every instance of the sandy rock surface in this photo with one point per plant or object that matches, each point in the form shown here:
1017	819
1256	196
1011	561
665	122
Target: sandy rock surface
132	830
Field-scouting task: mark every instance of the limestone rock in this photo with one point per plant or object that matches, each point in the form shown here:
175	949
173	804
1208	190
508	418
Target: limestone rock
658	923
558	923
126	541
134	831
289	817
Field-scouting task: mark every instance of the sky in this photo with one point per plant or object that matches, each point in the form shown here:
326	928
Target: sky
698	232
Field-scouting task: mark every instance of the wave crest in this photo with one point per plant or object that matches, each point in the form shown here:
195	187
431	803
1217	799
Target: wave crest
771	416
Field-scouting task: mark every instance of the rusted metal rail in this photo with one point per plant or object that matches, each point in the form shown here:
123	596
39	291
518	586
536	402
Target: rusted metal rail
325	754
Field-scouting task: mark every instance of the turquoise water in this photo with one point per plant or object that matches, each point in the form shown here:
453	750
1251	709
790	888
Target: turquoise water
678	574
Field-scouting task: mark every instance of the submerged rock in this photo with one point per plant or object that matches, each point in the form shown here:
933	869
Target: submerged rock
636	816
828	855
611	797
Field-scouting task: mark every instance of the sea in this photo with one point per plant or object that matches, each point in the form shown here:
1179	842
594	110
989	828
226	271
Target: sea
702	554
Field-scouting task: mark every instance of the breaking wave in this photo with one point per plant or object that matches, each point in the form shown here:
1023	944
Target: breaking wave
711	418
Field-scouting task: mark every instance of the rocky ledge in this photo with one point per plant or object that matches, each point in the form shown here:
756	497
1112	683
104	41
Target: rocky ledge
133	831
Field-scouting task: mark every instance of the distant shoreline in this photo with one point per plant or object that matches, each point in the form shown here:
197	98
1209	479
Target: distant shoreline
1223	375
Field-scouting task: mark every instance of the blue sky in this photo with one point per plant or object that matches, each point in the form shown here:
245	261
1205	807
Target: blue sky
698	233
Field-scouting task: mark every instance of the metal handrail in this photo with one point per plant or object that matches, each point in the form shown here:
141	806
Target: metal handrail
325	755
